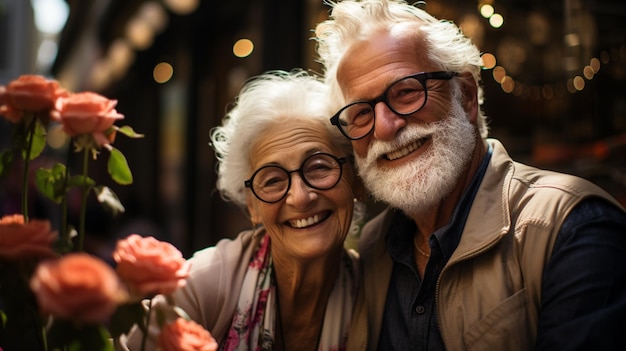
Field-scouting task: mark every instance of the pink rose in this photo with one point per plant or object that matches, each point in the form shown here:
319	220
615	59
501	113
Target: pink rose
25	240
29	93
184	335
87	113
150	266
79	287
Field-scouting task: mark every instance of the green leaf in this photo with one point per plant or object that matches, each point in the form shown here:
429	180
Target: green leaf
80	181
129	132
95	338
125	317
3	318
61	333
109	200
66	335
118	168
38	142
50	182
6	161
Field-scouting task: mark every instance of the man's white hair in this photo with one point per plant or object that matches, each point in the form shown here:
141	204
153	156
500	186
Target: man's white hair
353	21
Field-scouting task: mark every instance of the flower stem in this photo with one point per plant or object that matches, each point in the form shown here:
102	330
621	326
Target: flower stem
83	204
65	235
44	338
30	134
144	337
23	289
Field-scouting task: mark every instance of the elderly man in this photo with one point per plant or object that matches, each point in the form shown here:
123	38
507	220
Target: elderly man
476	251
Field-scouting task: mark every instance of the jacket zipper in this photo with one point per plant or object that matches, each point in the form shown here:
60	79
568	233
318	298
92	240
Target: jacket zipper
445	268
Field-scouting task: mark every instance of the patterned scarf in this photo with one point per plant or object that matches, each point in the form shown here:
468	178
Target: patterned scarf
253	323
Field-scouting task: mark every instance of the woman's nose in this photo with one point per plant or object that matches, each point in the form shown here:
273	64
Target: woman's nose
300	194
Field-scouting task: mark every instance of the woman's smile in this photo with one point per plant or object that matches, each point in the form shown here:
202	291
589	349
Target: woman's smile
309	221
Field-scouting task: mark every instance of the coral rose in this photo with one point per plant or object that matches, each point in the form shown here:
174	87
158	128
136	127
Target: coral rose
149	266
20	240
79	287
29	93
87	113
3	101
184	335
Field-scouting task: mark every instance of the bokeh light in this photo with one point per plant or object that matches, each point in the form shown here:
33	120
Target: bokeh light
489	60
182	7
499	73
50	15
496	20
507	84
162	72
487	10
588	72
594	63
579	83
243	47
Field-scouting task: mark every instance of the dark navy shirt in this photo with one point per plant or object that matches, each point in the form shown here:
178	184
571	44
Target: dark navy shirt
586	273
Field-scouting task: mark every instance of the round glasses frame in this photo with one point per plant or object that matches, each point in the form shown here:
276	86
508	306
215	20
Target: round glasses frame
422	77
338	161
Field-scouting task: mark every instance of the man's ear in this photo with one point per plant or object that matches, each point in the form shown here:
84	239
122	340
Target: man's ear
469	91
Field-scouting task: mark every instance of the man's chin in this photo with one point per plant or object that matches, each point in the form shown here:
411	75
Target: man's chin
388	188
413	191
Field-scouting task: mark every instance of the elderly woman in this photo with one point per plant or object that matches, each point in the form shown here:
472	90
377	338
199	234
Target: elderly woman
288	284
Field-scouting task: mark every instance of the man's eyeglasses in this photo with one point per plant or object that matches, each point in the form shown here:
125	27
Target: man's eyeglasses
319	171
404	97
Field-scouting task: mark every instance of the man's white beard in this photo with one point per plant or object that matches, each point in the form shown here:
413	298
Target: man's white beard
421	184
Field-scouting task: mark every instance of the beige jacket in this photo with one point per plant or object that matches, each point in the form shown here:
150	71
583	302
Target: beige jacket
489	292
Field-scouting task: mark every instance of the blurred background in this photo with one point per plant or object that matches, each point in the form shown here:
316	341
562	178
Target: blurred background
554	77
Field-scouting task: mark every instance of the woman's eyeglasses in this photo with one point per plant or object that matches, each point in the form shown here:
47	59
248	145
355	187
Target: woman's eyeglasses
319	171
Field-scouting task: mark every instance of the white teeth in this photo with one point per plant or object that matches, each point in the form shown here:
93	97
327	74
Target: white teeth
405	150
301	223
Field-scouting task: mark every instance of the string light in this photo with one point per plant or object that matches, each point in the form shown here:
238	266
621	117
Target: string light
510	85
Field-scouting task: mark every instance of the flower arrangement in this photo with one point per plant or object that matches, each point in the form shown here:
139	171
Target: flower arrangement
53	294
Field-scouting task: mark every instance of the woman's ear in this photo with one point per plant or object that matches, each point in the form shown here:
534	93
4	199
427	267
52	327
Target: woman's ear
252	210
360	192
358	188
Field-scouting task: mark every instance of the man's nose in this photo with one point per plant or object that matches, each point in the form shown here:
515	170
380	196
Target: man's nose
387	123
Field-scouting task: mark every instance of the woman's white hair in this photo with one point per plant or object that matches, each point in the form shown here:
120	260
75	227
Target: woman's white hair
351	21
274	97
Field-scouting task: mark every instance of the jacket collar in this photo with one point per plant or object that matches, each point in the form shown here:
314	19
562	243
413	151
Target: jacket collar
490	216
